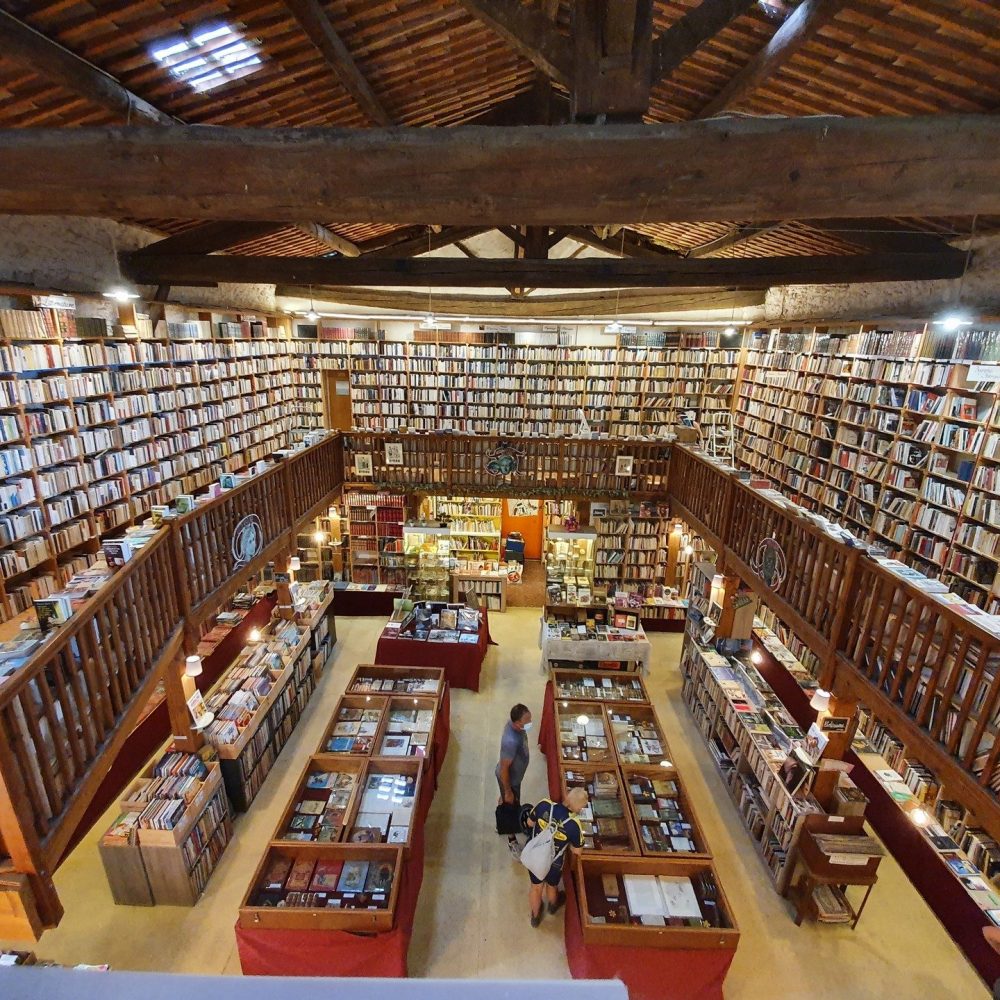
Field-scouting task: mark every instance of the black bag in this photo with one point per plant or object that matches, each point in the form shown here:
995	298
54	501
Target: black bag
508	818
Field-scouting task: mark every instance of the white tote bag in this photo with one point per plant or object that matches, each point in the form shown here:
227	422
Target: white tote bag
540	853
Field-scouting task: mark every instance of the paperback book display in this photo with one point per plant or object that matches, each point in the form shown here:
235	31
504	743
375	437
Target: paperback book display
175	825
605	821
583	733
663	818
408	728
384	811
355	726
320	809
377	679
757	747
582	685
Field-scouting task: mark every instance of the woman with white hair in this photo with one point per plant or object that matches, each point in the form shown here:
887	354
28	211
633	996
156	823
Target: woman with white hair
568	836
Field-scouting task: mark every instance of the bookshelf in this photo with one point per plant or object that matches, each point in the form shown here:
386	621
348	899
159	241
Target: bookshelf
258	702
490	587
103	417
376	545
473	524
748	761
155	855
893	434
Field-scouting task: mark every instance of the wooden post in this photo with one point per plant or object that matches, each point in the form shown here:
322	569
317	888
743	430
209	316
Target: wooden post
285	608
179	687
673	555
26	905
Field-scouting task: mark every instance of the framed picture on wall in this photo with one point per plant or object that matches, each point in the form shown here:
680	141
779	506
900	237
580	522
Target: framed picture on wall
623	465
394	453
363	464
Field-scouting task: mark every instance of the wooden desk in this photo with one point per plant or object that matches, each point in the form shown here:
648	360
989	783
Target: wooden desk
817	869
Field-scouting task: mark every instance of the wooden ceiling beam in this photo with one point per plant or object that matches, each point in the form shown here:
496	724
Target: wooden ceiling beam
424	243
804	22
314	22
683	38
329	238
817	167
627	302
735	236
31	50
632	245
529	32
612	59
211	237
670	272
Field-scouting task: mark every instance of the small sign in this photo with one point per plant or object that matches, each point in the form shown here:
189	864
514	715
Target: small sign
394	453
248	540
363	464
835	724
342	388
984	373
623	465
199	711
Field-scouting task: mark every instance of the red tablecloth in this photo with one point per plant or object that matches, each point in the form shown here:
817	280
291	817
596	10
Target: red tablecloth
548	742
270	952
442	733
462	662
364	603
649	973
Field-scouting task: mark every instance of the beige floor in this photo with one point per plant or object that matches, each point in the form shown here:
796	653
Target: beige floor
472	919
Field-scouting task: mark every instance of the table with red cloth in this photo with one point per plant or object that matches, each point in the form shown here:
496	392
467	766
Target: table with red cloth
462	661
271	952
649	973
370	603
548	741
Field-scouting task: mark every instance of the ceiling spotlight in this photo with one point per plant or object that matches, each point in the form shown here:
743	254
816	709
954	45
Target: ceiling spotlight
119	293
952	321
428	322
613	327
312	315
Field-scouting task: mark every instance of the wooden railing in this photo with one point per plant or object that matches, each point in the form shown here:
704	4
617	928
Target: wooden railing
65	714
504	466
928	672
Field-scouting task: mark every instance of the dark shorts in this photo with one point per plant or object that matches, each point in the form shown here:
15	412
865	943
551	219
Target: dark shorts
553	877
516	789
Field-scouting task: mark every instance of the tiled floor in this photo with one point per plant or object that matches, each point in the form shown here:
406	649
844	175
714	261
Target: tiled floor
472	919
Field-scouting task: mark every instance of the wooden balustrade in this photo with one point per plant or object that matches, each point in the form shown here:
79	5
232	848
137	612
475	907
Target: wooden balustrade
481	465
65	714
74	702
796	566
702	493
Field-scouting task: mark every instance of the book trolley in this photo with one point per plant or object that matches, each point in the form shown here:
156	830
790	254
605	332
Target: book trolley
643	899
336	890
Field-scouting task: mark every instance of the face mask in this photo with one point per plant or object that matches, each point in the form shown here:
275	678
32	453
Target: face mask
527	727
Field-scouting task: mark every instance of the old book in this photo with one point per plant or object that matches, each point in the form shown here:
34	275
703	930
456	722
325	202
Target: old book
326	875
352	878
300	876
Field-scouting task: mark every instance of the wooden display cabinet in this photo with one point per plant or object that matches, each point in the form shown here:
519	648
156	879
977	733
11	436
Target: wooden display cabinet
657	773
587	776
577	746
394	731
372	921
408	768
321	764
588	870
382	672
362	703
571	685
632	720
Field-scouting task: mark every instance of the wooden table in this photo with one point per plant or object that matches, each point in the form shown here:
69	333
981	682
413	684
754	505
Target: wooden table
462	661
818	869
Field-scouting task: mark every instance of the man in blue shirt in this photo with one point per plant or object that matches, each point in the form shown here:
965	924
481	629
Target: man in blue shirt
568	837
513	761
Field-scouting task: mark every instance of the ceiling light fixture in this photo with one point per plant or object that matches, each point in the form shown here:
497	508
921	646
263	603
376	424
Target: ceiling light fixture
952	321
312	315
121	294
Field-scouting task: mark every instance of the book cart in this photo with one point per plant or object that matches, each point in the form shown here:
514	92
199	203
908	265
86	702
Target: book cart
645	856
336	890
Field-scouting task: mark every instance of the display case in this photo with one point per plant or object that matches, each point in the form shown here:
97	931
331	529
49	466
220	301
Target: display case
318	812
606	822
396	680
348	887
385	810
653	903
637	734
584	736
427	549
569	557
354	726
587	685
662	812
407	727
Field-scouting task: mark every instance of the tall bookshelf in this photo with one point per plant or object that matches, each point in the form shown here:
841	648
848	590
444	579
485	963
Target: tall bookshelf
631	550
888	433
473	525
376	545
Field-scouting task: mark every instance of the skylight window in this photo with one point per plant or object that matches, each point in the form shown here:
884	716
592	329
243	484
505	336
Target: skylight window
209	57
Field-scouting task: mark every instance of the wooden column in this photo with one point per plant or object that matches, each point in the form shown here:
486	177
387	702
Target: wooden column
673	556
727	620
285	607
179	687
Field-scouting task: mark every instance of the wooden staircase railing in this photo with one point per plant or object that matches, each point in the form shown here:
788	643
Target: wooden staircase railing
66	713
